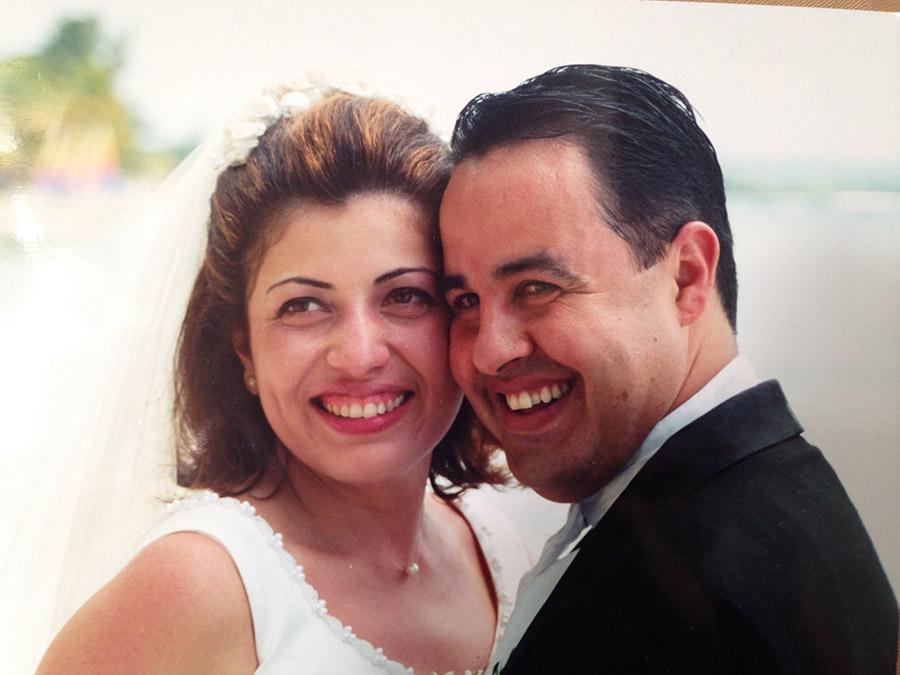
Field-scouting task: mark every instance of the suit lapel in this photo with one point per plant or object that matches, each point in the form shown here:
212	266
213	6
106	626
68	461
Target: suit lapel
744	424
737	428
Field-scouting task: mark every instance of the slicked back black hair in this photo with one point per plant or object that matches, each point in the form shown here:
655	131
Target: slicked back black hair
655	168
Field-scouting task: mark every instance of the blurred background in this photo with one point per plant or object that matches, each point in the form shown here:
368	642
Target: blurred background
100	99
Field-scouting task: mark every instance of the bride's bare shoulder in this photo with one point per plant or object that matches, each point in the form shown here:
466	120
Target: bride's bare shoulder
178	606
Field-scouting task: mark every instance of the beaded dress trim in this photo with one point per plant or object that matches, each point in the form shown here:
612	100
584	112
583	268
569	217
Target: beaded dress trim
375	655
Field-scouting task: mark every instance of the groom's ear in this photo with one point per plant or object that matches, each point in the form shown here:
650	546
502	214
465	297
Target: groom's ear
694	255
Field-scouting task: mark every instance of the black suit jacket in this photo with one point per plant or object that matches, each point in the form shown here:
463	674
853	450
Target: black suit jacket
734	550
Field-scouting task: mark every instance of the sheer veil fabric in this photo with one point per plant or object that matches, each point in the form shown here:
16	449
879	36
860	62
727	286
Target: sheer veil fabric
101	462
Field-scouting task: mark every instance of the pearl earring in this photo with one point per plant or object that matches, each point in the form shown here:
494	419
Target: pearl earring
251	384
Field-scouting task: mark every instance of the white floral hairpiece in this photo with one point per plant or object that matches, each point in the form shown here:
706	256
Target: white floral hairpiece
243	131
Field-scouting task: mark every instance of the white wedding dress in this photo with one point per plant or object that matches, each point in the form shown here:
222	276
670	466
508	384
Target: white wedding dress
293	629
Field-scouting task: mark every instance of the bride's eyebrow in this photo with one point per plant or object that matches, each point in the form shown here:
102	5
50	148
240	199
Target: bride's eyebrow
301	280
393	274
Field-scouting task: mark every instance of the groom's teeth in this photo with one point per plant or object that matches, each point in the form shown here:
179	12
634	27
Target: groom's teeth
525	400
381	409
345	410
370	410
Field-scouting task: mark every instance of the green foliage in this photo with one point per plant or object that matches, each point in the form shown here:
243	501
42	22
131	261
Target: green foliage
65	90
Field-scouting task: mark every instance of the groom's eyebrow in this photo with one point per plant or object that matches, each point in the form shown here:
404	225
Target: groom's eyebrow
533	262
536	262
452	282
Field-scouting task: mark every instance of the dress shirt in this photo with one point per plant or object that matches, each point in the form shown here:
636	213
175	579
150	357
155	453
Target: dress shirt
560	549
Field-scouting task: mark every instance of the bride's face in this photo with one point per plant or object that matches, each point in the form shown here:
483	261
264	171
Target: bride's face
348	338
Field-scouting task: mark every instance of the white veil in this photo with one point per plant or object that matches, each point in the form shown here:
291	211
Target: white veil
100	459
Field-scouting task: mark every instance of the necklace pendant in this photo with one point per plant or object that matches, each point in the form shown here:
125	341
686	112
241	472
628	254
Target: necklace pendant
412	569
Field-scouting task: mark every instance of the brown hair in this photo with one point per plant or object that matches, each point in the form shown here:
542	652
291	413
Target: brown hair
340	147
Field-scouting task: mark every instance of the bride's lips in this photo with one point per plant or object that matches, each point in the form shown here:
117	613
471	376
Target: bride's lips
362	413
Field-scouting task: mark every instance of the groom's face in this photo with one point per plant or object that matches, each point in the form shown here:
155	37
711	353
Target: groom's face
566	349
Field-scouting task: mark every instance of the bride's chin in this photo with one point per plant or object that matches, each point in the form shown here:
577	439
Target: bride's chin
372	467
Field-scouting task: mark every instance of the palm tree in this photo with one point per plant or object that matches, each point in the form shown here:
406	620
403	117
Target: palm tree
61	121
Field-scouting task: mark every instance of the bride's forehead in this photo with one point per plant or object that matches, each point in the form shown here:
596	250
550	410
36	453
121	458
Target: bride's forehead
360	217
367	238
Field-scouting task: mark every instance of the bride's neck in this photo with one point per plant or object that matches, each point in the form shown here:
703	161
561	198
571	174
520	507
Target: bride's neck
385	520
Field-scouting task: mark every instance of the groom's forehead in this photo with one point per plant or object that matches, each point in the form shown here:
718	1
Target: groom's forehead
521	187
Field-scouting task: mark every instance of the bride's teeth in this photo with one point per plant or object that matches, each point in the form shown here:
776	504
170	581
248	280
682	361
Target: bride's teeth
512	400
546	397
535	399
360	410
564	387
555	391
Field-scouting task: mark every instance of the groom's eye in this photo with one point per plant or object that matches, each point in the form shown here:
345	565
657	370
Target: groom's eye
463	304
534	293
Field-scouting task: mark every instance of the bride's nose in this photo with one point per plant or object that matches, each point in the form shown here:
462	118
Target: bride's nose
358	345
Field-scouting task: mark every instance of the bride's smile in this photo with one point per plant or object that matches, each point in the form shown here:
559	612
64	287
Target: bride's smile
347	338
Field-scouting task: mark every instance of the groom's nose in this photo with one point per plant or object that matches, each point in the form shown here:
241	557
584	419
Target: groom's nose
502	338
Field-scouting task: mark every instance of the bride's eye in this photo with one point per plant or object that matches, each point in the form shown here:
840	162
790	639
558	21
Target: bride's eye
408	302
301	310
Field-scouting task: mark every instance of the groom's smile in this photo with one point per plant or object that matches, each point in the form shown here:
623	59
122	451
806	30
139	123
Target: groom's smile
538	398
559	336
530	406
